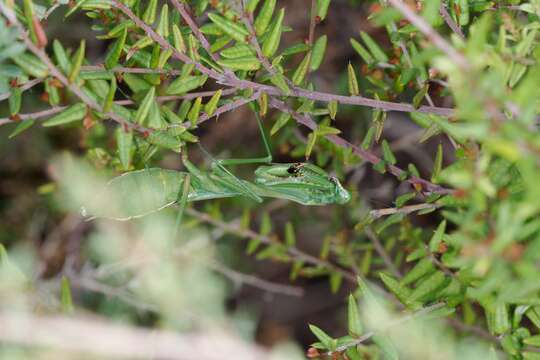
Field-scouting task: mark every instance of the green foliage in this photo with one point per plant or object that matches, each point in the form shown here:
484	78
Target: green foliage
472	164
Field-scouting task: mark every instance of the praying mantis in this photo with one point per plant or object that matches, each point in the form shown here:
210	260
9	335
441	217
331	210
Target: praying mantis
143	192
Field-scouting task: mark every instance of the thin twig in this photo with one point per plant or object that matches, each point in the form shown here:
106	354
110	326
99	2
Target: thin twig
431	34
401	210
450	22
364	154
247	233
27	85
422	312
382	252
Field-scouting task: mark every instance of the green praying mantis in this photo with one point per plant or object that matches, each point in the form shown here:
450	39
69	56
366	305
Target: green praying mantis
143	192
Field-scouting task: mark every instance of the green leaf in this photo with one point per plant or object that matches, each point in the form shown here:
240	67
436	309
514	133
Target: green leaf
149	15
312	139
265	16
364	54
417	100
165	140
211	105
15	100
333	109
61	56
144	108
353	318
279	80
336	279
422	268
234	30
281	121
352	82
73	113
107	105
22	126
77	62
324	338
317	54
238	51
31	65
403	199
437	237
437	165
163	25
290	237
388	155
111	60
374	48
400	291
271	43
193	115
251	5
301	71
182	85
368	138
65	296
429	286
322	9
124	143
248	63
178	39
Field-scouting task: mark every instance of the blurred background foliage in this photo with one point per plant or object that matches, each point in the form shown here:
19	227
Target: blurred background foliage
438	245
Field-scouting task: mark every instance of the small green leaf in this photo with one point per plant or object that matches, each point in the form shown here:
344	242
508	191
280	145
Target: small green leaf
107	105
238	51
322	9
429	286
353	318
234	30
73	113
422	268
417	100
22	126
77	62
182	85
114	53
324	338
318	52
31	65
144	108
14	100
368	139
265	16
124	143
290	237
301	71
65	296
193	115
149	15
333	109
163	25
437	165
364	54
374	48
248	63
312	139
281	121
352	82
271	44
178	39
279	80
165	140
211	105
437	237
388	155
403	199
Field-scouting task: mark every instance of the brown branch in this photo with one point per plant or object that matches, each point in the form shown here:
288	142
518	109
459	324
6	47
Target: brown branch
431	34
247	233
27	85
401	210
364	154
450	22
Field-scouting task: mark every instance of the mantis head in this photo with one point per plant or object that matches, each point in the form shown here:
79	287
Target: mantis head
303	183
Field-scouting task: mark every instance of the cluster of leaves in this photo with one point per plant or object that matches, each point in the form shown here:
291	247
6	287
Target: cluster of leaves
477	268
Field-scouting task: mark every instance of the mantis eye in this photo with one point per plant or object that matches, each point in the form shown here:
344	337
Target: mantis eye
294	169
